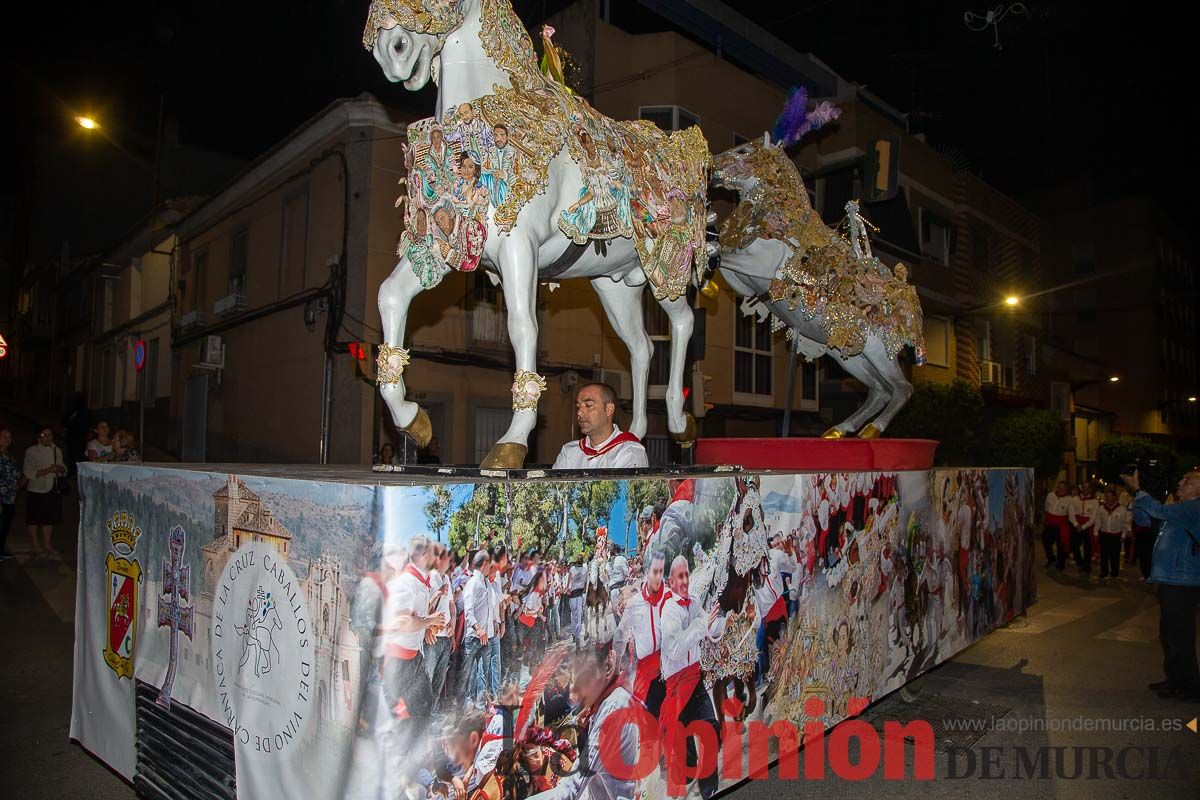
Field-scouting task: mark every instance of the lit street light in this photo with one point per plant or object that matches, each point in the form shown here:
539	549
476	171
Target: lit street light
87	123
1012	300
1114	379
1192	399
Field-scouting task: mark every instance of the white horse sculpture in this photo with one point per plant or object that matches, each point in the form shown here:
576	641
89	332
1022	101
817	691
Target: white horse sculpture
586	198
836	298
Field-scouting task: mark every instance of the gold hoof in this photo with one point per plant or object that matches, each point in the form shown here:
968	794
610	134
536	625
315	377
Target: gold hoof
872	431
689	431
420	430
834	433
505	455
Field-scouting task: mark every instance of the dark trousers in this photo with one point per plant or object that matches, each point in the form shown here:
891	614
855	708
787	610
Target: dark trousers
1110	555
699	708
655	696
1177	632
1143	549
1050	543
6	519
1081	548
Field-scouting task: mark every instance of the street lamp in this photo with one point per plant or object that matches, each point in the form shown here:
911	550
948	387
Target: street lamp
1192	399
87	122
1012	301
1114	379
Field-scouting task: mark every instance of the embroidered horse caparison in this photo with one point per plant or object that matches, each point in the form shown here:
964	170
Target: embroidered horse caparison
516	173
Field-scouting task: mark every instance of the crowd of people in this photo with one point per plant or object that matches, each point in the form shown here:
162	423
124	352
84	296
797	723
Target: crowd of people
1079	525
42	477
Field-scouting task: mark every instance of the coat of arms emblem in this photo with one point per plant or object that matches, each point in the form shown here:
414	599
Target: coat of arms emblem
124	578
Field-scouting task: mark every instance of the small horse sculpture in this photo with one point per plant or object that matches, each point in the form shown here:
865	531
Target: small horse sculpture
831	293
518	174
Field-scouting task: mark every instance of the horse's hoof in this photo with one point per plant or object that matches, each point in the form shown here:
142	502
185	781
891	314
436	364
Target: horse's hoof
834	433
872	431
420	430
505	455
688	435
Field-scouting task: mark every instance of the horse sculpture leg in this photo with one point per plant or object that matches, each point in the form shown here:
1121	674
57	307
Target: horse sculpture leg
899	387
396	294
623	307
682	426
518	271
877	393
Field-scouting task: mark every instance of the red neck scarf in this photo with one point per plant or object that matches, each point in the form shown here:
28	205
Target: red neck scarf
416	573
653	599
684	602
620	438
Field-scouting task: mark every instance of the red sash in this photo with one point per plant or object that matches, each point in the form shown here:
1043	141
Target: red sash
416	573
1064	530
779	609
648	669
528	620
620	438
401	652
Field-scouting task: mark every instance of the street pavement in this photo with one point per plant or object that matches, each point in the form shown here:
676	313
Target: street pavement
1084	653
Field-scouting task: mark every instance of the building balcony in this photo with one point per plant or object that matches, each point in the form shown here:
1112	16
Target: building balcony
191	320
230	304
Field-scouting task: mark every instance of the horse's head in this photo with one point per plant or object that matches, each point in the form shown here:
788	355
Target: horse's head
734	169
406	36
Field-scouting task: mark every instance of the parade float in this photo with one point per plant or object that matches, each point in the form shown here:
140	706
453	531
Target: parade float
249	631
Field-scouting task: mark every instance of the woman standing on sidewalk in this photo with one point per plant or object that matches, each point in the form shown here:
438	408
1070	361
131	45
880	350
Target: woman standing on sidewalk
10	481
43	506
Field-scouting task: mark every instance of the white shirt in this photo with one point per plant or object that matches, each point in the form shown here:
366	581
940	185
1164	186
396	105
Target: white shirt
497	588
626	455
406	594
1115	521
1084	507
766	595
445	606
645	622
477	605
38	457
521	577
578	577
683	628
597	783
618	572
489	752
532	604
1058	506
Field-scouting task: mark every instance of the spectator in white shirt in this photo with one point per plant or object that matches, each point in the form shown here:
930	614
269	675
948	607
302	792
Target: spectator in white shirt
479	628
1056	528
1113	524
685	624
602	444
437	652
1084	508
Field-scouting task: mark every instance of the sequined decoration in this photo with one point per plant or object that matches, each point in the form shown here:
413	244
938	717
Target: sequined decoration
639	182
436	17
526	389
735	654
390	364
851	295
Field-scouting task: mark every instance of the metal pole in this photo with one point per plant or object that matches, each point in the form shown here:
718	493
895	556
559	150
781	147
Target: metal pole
326	401
793	354
142	408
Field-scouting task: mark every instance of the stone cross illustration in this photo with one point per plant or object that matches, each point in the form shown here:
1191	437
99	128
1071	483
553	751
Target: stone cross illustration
172	613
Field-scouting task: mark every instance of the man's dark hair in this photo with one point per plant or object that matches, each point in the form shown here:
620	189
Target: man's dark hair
607	392
498	551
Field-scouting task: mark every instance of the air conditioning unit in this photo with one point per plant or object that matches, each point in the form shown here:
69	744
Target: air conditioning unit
192	319
621	382
991	373
212	353
230	304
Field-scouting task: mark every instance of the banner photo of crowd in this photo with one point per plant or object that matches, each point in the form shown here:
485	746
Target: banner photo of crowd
267	636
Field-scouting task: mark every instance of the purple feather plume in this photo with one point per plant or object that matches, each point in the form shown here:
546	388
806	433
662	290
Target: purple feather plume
796	120
789	126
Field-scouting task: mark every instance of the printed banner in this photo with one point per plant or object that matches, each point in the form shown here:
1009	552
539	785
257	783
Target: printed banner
365	640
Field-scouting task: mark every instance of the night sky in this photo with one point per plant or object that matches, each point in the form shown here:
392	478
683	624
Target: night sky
1075	88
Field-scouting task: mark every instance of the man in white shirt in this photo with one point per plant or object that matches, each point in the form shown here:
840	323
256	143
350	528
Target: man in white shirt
492	666
618	575
602	444
576	587
684	625
1084	508
1056	530
770	601
437	652
1113	524
643	624
478	626
407	625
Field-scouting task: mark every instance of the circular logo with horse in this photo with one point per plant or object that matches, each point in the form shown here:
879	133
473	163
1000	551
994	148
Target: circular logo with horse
262	650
